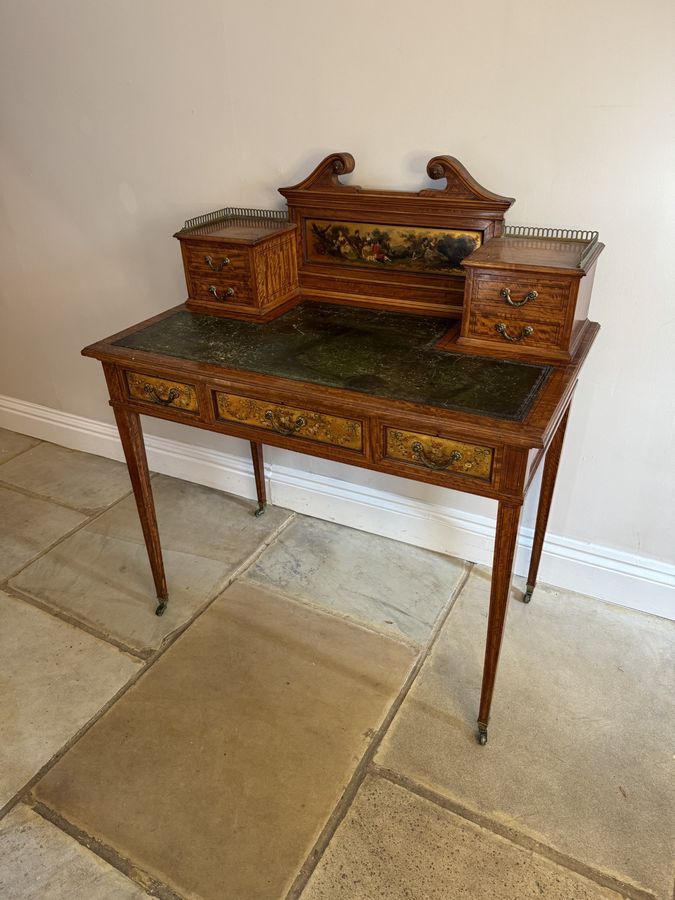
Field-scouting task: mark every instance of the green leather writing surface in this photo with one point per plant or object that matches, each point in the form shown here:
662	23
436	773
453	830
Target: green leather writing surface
389	355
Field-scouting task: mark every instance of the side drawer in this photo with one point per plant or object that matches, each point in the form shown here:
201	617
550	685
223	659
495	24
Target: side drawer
439	454
162	392
290	421
520	330
209	259
221	290
536	297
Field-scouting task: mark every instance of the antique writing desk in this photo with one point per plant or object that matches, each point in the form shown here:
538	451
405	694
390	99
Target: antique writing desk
401	332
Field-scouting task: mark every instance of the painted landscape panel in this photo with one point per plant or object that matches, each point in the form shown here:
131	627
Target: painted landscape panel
406	247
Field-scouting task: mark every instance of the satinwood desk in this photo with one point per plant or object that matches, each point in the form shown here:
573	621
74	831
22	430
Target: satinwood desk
405	332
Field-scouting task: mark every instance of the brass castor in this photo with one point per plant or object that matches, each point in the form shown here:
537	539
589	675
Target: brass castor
527	596
482	735
161	606
259	511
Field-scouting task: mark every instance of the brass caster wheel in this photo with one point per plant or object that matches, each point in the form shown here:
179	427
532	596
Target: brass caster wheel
482	735
259	511
161	606
527	596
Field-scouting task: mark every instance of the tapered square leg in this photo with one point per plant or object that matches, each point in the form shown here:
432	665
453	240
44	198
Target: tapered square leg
259	472
548	480
131	435
508	517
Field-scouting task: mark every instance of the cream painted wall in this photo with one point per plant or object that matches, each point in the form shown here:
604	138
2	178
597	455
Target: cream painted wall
120	119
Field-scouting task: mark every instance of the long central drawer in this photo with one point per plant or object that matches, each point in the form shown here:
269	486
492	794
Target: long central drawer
290	420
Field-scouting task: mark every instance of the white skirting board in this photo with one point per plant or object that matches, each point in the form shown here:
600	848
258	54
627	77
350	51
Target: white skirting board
630	580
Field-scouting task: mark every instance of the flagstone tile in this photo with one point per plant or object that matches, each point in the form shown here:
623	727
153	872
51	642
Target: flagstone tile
39	862
53	679
580	747
394	587
397	845
28	526
101	575
12	443
82	480
217	770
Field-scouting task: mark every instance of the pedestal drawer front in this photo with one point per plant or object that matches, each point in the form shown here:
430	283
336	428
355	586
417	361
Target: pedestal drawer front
162	391
534	296
221	289
439	454
512	331
210	259
290	421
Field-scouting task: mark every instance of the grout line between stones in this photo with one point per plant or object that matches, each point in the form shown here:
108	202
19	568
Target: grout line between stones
345	801
90	517
26	492
56	613
511	834
173	636
20	452
134	873
305	602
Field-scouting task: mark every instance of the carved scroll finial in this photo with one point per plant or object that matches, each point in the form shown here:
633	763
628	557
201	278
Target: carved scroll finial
460	184
326	174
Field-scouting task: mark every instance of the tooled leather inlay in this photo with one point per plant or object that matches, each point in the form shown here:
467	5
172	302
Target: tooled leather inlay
389	355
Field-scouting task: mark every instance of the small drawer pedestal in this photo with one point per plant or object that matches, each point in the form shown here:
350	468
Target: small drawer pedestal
527	297
239	266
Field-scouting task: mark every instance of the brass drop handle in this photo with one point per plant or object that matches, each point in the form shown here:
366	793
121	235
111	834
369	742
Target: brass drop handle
209	262
228	292
421	456
282	427
506	294
151	391
525	332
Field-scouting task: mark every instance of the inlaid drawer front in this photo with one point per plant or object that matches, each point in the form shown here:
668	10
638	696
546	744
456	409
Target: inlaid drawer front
218	289
532	295
162	392
510	330
439	454
287	420
210	259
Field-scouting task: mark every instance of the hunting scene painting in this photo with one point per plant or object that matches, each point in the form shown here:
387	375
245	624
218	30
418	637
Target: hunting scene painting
392	246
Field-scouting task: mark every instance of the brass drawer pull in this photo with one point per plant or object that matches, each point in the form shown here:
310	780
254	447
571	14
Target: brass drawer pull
282	427
209	262
506	294
151	391
525	332
421	456
228	292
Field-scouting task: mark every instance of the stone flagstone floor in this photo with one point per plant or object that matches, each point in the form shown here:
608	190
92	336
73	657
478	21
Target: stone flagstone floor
301	722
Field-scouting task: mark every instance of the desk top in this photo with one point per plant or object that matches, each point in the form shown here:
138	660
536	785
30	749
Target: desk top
384	354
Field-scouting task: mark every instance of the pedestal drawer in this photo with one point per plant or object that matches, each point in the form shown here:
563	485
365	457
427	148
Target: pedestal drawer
439	454
534	296
511	331
290	421
211	259
222	290
162	391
